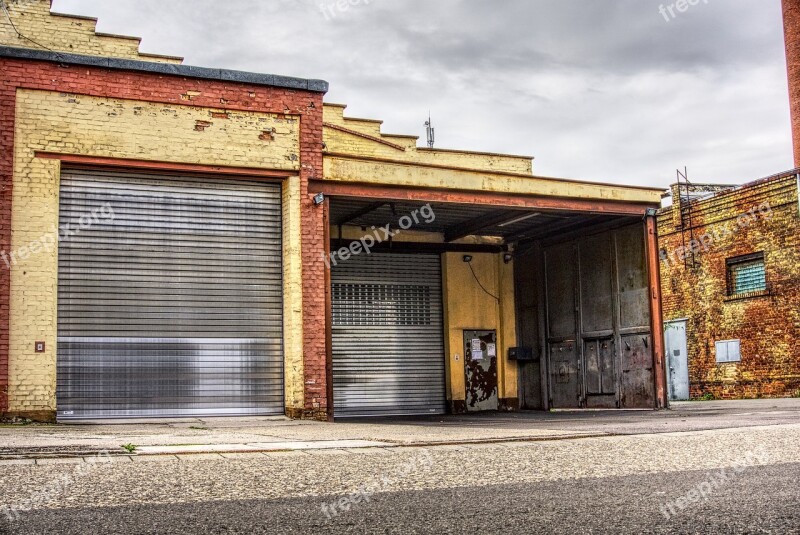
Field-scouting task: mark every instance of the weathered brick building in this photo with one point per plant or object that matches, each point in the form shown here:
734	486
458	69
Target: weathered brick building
730	282
180	241
730	278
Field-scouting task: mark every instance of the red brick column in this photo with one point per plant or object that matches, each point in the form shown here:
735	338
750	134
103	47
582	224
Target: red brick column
313	240
791	24
6	183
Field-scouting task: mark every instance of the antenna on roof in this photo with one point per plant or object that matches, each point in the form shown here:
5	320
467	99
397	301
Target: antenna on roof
431	132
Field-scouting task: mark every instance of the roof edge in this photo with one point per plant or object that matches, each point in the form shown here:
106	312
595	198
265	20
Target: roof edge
344	156
272	80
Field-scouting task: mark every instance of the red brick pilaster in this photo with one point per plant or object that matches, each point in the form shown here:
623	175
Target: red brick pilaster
6	182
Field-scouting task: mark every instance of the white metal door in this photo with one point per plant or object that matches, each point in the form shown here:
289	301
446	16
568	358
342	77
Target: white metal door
678	360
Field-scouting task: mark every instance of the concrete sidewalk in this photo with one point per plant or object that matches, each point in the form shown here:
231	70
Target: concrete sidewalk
258	435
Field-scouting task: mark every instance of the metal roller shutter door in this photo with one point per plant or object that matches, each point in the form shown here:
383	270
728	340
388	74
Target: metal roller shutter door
174	306
388	345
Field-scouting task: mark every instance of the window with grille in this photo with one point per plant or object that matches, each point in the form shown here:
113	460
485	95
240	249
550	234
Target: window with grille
381	305
747	274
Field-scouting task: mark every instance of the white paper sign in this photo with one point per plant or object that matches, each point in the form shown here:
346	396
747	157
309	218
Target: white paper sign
476	344
477	355
492	349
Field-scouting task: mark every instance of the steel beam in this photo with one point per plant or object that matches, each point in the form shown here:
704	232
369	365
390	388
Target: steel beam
415	247
478	198
360	213
656	312
474	226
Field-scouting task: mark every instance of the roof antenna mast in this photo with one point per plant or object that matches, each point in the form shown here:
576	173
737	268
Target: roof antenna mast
431	132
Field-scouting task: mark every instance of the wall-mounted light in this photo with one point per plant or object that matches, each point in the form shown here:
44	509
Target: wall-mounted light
319	198
508	258
651	212
467	258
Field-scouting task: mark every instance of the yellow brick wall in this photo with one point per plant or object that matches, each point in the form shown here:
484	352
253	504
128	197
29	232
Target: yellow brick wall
70	124
64	33
350	157
761	217
293	295
346	143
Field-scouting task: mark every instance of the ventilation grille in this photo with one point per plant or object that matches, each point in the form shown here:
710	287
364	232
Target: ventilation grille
378	305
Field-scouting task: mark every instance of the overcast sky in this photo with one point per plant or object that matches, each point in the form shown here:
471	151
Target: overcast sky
602	90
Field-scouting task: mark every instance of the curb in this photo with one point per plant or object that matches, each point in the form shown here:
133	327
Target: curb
280	447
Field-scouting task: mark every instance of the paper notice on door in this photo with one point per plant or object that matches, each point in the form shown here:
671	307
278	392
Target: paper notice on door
492	350
476	344
477	355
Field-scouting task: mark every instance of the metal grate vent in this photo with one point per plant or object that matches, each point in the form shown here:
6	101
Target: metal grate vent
378	305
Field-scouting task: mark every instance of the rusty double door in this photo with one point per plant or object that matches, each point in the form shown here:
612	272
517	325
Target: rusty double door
597	322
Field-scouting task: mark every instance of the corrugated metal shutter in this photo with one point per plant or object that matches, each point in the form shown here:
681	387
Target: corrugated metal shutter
174	306
388	346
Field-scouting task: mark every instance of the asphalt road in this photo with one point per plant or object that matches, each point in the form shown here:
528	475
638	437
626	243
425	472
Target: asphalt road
759	500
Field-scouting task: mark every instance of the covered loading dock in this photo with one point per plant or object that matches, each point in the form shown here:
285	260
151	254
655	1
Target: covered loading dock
577	300
550	292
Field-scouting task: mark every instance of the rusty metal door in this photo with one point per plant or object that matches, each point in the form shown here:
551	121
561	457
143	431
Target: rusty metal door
601	377
599	345
637	386
480	363
527	290
563	360
637	381
597	320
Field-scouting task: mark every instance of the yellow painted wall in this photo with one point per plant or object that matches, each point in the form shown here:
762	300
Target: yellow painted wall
467	307
349	157
62	123
63	33
355	170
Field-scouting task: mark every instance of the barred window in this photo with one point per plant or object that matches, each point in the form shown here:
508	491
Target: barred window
747	274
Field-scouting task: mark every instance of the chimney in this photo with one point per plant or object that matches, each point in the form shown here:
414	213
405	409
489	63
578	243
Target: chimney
791	29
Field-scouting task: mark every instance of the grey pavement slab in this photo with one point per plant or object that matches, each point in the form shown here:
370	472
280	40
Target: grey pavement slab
232	435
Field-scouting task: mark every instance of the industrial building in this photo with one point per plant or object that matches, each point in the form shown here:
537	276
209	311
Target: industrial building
182	241
731	293
729	271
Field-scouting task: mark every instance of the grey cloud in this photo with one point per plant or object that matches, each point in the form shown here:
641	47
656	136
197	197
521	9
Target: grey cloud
595	89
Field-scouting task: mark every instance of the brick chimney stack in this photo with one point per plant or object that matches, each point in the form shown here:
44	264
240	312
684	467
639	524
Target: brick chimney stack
791	28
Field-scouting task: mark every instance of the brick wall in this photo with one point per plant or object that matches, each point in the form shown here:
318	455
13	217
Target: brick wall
175	90
761	217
